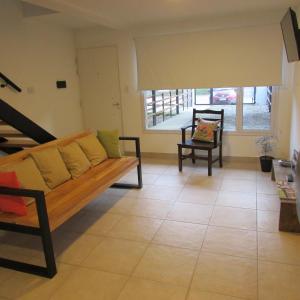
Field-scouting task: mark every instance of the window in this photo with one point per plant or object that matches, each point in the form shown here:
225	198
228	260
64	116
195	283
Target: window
245	109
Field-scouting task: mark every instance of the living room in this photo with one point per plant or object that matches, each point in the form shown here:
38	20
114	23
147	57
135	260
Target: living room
217	236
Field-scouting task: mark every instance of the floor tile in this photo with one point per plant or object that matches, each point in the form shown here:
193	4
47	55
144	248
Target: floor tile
23	252
200	295
217	172
228	275
72	248
137	289
170	180
262	175
235	185
268	202
95	222
105	203
132	178
279	247
75	223
278	281
180	234
204	181
267	187
188	212
123	205
5	274
150	208
157	169
88	284
240	218
32	287
236	199
230	241
127	192
198	195
100	225
268	221
135	228
173	170
162	193
167	264
116	256
240	174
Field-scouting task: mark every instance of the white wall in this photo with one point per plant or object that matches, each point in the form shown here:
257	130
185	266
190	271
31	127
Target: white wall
295	120
35	55
295	91
132	102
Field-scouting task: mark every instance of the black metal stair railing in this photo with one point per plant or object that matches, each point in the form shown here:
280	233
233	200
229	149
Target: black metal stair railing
11	117
8	82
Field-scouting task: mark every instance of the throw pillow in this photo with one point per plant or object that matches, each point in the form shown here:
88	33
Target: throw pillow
110	141
11	204
205	130
75	159
51	166
92	148
28	175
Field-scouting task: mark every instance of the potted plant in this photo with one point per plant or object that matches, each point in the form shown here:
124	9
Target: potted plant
266	146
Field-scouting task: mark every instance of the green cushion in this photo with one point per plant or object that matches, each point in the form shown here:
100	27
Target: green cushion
110	141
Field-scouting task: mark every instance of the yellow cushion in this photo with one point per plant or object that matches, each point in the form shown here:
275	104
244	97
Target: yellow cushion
75	159
28	175
92	148
51	166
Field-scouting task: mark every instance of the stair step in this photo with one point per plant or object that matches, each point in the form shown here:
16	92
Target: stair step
2	123
11	133
18	144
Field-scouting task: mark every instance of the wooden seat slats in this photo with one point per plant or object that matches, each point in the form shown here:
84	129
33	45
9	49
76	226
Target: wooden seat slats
70	197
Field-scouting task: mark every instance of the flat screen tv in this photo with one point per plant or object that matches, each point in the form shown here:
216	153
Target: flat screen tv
290	32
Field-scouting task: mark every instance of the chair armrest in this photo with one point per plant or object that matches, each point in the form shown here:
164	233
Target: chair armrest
190	126
183	129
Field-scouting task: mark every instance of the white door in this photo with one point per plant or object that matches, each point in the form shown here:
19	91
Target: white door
100	88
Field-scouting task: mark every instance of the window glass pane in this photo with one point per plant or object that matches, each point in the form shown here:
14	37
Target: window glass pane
257	104
202	96
172	109
168	109
226	98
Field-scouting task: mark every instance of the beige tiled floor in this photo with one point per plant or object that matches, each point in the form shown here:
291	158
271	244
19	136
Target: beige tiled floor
184	236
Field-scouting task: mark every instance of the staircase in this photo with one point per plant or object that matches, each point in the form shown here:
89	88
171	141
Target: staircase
18	132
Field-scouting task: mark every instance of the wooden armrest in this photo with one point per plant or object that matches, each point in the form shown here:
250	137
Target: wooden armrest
183	129
190	126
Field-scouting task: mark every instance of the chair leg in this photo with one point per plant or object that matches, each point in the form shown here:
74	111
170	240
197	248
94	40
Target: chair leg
209	162
180	158
220	156
193	155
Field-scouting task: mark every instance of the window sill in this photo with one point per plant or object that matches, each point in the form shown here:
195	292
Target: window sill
226	132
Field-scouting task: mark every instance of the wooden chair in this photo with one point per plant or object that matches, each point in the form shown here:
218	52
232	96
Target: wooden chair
209	115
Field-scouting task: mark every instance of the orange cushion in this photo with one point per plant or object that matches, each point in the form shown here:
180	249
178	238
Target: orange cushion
11	204
205	130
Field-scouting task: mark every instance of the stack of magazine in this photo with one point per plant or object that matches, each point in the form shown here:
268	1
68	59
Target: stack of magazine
286	191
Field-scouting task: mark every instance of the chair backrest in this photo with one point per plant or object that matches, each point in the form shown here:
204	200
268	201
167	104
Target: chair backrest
208	115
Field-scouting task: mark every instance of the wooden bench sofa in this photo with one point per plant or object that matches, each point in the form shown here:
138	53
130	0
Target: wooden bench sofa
48	212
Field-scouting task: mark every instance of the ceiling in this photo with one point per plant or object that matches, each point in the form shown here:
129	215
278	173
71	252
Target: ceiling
135	13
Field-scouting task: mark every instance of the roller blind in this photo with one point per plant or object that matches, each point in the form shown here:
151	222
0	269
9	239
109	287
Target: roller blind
249	56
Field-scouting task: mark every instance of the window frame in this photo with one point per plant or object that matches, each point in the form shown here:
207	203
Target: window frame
239	131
